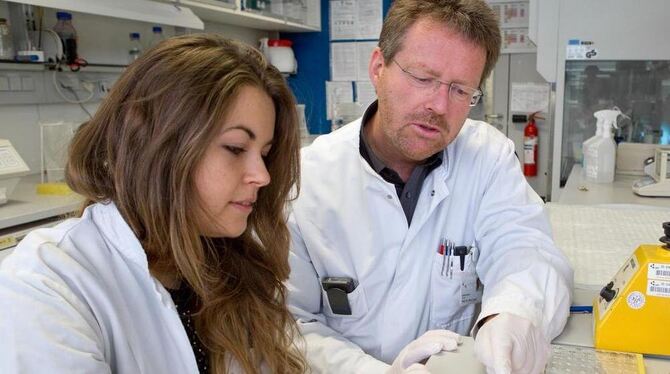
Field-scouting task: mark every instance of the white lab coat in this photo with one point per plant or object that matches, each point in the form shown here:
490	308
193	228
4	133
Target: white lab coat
348	222
79	298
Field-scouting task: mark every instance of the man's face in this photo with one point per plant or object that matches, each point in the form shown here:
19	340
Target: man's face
416	120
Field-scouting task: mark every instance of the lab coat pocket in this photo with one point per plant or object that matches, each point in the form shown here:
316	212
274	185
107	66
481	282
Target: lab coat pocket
357	303
448	309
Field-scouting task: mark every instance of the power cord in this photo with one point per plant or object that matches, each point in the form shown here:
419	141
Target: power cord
57	85
74	93
57	42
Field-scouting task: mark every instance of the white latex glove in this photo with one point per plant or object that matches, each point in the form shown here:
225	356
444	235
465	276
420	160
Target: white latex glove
426	345
508	344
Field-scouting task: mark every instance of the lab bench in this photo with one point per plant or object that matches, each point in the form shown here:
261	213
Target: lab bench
578	332
597	239
578	190
26	210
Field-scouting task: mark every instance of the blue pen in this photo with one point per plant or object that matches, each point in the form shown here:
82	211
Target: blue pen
581	309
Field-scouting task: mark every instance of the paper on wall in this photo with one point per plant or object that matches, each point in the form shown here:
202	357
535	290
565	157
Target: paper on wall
365	93
343	61
343	18
369	19
352	19
363	53
529	97
337	92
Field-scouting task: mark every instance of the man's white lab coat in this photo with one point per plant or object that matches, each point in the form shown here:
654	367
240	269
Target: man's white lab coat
348	222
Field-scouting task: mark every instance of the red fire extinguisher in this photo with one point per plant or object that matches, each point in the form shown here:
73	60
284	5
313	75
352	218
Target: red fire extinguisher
530	141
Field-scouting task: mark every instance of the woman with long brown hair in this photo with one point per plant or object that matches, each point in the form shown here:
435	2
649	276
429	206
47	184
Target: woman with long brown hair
177	262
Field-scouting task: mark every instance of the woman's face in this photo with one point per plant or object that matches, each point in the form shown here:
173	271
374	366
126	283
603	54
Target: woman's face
233	168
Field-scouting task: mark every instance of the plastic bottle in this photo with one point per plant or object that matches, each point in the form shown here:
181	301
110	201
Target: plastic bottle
599	131
156	36
6	43
600	156
68	36
135	47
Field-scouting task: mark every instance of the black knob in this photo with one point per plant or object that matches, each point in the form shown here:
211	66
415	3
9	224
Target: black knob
607	292
666	230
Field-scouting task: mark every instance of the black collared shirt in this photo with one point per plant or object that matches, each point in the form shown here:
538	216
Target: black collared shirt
408	192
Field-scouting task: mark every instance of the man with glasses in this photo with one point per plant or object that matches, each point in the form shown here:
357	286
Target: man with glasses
405	215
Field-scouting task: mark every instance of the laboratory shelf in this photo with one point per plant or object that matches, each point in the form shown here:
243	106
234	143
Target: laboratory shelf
41	66
25	205
136	10
237	17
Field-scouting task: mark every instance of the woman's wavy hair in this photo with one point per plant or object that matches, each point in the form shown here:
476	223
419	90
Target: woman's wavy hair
141	150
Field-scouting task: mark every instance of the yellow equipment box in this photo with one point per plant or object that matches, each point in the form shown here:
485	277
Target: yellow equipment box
632	313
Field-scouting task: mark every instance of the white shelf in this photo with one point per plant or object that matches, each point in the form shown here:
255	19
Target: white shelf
222	14
25	205
41	66
136	10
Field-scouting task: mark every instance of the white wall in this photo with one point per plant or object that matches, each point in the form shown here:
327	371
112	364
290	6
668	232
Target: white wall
102	40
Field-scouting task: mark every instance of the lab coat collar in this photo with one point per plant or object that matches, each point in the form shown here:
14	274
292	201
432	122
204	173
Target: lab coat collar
117	232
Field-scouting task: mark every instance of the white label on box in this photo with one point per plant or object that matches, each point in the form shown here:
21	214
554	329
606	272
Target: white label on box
657	287
658	271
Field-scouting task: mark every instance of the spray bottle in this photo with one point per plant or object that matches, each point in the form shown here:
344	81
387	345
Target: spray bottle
599	131
600	153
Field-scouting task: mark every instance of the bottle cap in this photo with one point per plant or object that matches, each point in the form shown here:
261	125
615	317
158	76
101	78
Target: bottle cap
65	16
157	29
279	43
135	35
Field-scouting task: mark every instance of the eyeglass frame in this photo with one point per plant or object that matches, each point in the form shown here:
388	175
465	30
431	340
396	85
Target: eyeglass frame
435	84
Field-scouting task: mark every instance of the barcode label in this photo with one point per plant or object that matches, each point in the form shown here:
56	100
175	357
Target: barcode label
657	287
658	271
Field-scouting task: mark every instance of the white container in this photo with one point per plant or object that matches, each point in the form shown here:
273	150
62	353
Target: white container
6	43
280	54
599	161
600	154
588	142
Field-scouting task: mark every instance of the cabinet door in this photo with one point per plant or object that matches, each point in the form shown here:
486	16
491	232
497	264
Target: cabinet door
493	107
522	70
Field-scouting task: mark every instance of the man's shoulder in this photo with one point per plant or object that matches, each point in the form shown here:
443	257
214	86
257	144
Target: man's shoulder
52	250
480	137
333	146
473	129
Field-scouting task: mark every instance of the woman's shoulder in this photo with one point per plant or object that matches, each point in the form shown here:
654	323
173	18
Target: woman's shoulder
81	246
47	250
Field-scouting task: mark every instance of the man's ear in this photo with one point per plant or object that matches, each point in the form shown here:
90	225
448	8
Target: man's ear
376	66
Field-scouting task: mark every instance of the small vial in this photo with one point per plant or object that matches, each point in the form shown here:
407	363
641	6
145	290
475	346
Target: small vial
156	36
6	44
135	48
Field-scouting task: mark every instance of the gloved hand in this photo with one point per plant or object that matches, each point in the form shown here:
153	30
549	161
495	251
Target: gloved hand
428	344
508	344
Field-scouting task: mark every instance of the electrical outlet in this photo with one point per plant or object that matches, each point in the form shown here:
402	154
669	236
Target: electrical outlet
104	87
88	86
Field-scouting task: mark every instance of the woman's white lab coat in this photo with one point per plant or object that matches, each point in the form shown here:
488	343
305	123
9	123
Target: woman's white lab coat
79	298
348	222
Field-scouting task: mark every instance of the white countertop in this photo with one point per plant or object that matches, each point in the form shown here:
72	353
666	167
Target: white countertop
578	331
25	205
579	191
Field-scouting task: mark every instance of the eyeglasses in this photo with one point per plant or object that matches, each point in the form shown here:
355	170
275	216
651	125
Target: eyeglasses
457	92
